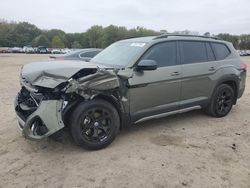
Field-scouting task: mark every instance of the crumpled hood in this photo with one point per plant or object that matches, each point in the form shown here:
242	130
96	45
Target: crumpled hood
52	73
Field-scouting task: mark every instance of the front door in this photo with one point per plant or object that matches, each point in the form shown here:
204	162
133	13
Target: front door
157	91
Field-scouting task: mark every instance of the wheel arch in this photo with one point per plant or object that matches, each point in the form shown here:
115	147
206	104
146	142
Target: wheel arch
113	100
233	81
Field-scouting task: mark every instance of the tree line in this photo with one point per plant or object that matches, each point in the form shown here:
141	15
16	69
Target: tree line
239	41
25	34
21	34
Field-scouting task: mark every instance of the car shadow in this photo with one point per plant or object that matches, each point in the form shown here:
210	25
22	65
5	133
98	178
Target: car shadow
167	122
164	122
64	141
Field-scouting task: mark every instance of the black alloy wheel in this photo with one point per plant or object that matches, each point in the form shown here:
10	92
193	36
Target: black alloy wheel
94	124
222	101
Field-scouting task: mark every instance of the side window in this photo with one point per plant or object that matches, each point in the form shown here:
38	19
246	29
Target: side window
82	55
164	54
210	53
221	50
89	54
193	52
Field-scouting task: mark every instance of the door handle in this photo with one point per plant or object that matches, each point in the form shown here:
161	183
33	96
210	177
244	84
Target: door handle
211	69
175	74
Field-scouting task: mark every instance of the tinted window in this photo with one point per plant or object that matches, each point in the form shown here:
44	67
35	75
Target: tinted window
193	52
89	54
220	50
164	54
210	53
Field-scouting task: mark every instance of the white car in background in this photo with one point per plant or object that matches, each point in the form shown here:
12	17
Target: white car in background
56	51
28	49
65	51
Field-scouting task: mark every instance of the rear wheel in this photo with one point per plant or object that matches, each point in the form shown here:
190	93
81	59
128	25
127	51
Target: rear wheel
94	124
222	101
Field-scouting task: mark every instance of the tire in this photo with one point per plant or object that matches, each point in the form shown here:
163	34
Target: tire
222	101
94	124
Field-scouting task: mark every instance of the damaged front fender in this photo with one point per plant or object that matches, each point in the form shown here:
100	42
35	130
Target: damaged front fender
102	80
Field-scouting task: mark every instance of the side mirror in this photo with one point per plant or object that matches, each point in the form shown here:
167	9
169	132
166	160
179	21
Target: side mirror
146	65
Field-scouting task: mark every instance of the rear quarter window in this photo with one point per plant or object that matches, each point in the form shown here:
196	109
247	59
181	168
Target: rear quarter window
90	54
221	51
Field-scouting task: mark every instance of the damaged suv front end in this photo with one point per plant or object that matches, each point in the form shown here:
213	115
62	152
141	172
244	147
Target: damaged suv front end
90	98
50	89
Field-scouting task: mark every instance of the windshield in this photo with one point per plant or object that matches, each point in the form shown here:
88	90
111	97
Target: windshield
119	54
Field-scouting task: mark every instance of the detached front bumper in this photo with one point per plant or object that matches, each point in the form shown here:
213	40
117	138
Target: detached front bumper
42	121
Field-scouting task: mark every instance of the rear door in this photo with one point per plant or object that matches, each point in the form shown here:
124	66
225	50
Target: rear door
198	67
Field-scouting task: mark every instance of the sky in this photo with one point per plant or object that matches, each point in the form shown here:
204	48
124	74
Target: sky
214	16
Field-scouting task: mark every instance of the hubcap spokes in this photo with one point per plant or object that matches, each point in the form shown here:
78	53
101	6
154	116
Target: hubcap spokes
96	125
224	101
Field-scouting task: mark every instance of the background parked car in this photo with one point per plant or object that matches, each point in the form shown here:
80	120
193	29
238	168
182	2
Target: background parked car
28	49
16	50
56	51
4	50
83	54
41	50
66	50
243	52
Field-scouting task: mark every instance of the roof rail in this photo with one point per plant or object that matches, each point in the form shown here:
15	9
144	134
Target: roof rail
182	35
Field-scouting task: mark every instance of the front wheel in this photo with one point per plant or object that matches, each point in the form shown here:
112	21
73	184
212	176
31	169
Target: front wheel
222	101
94	124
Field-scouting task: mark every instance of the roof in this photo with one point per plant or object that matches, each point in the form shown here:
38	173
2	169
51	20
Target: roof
140	39
152	39
189	36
